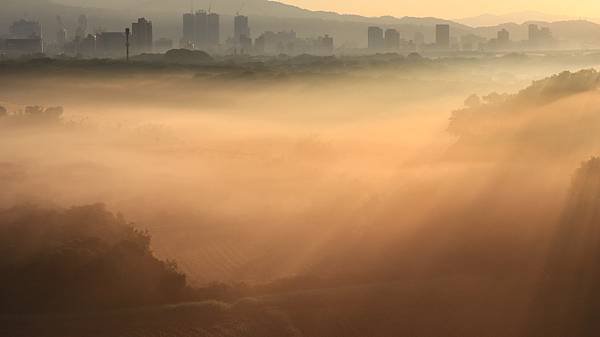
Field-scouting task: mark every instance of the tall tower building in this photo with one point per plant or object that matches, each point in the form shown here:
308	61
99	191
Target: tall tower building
392	39
201	29
213	25
533	32
189	36
241	28
142	36
442	36
375	36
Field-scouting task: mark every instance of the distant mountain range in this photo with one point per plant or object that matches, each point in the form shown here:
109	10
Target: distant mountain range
516	17
349	30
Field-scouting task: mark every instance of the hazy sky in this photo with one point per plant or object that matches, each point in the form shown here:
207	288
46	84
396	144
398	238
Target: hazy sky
453	8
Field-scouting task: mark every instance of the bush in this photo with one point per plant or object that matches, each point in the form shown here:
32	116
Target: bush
83	258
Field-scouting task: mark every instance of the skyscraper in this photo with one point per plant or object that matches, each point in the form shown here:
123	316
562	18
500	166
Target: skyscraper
188	29
142	35
375	38
392	39
240	28
201	29
533	32
442	36
213	26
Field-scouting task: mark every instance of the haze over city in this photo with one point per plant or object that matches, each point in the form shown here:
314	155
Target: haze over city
257	168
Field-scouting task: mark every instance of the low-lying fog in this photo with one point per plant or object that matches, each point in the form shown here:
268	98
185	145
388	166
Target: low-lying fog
238	179
369	176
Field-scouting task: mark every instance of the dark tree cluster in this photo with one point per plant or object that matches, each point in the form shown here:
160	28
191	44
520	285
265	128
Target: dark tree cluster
493	108
80	259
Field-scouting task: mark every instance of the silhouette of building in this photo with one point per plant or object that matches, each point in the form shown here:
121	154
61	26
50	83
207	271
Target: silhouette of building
539	37
189	35
25	37
442	36
324	45
82	24
503	36
287	42
87	46
375	38
24	29
472	42
533	31
24	46
276	43
142	36
240	28
392	39
213	30
110	44
201	30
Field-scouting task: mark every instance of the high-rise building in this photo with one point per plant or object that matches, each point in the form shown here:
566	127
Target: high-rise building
539	37
375	36
240	28
142	36
213	26
503	36
24	29
392	39
533	32
189	36
201	30
442	36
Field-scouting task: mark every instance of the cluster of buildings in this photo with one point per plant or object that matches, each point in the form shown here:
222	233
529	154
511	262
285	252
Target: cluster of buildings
23	37
114	44
202	30
287	42
389	40
26	37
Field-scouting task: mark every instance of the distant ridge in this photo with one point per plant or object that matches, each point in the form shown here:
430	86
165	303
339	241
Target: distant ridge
347	29
485	20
